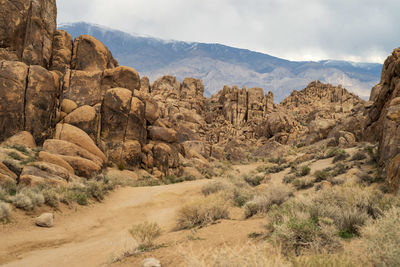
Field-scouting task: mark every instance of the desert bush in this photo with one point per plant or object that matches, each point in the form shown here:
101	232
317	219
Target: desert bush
321	175
303	183
35	195
358	156
381	239
338	169
96	190
253	180
81	198
295	230
304	170
145	234
275	169
203	211
241	196
340	155
261	203
214	187
22	201
277	160
325	259
51	197
5	211
9	186
246	255
288	179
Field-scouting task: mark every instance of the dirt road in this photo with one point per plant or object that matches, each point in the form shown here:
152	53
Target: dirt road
89	236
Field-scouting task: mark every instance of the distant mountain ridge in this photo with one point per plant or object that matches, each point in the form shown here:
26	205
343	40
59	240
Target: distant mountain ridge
218	65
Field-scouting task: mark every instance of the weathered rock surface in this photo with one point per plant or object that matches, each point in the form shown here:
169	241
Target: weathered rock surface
382	122
23	138
45	220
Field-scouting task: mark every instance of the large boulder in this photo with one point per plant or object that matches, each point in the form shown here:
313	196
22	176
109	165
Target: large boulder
40	102
84	87
85	118
62	51
382	122
23	138
162	134
61	147
13	77
90	54
165	156
55	159
70	133
27	29
122	76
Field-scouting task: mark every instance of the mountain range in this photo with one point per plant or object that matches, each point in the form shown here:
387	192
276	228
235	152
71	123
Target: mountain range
218	65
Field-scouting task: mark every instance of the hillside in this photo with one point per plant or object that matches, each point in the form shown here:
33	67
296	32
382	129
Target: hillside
218	65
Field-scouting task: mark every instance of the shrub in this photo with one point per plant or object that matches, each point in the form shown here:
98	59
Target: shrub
81	198
303	183
14	155
214	187
241	196
325	259
296	230
22	201
288	179
275	169
304	170
253	180
10	186
51	197
274	195
96	190
5	210
202	211
358	156
340	155
145	234
381	239
338	169
244	255
321	175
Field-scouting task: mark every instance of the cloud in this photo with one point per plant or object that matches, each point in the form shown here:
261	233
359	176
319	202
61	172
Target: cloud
358	30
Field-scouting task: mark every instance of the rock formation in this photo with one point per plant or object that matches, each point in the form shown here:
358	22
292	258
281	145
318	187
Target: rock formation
382	122
72	99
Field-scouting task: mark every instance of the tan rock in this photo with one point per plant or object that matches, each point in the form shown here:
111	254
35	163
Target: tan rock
83	167
55	159
46	170
62	51
68	105
86	119
78	137
162	134
90	54
45	220
13	77
84	87
23	138
115	111
61	147
40	102
123	77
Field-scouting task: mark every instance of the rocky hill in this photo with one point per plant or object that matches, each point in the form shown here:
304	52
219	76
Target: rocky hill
217	65
88	115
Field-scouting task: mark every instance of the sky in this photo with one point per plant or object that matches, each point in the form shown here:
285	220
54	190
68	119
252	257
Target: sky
355	30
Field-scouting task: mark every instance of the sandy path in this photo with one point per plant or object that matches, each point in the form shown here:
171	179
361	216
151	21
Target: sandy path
91	235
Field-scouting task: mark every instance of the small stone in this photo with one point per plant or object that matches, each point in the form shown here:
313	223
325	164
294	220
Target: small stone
151	262
45	220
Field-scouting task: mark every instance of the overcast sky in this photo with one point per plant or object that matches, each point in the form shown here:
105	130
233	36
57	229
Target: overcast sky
357	30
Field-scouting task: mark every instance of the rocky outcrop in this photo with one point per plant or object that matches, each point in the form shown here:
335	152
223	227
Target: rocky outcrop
26	30
382	122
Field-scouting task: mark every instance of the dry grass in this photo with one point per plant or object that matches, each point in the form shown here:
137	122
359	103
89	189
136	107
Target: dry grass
247	255
273	195
145	234
381	239
5	211
203	211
